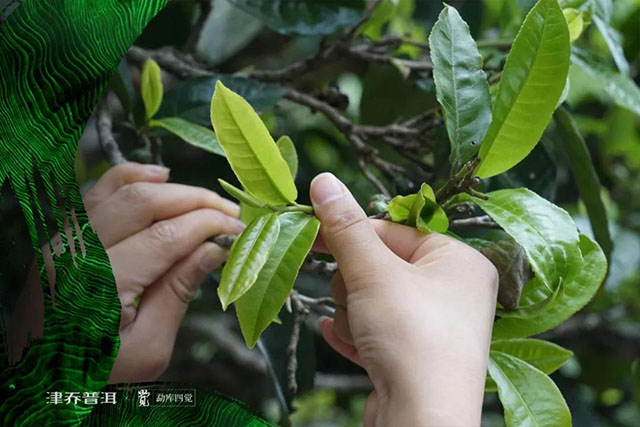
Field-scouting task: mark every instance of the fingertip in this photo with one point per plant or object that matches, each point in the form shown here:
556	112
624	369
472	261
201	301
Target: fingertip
325	188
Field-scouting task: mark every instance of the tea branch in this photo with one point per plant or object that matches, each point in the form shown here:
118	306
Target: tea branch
476	222
461	182
300	313
104	126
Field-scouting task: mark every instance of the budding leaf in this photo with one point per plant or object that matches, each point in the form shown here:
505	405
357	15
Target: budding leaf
248	254
288	151
151	87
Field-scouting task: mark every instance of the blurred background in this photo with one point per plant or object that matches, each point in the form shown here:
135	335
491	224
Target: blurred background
600	383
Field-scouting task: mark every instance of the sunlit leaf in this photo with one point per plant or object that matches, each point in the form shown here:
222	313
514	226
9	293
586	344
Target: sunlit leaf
304	17
249	253
531	84
151	87
543	355
257	307
528	395
250	149
461	84
194	134
546	232
586	178
578	290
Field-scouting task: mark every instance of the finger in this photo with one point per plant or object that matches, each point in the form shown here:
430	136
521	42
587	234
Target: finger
120	175
162	308
347	231
341	325
329	334
411	244
134	207
338	290
142	258
371	410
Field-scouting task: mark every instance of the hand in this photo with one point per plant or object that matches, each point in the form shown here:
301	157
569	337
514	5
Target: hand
155	235
414	310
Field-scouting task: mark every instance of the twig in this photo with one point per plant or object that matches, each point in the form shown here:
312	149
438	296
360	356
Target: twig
460	183
156	151
300	313
319	305
479	221
104	125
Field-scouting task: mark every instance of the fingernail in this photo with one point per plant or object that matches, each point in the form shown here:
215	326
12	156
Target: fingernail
157	170
325	187
211	259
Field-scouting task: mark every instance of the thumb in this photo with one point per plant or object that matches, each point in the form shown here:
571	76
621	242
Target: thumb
345	229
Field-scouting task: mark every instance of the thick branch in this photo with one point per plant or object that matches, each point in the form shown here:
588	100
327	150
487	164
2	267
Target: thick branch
300	313
104	125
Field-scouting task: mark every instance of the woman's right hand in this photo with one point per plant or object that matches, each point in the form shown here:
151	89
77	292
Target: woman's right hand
414	310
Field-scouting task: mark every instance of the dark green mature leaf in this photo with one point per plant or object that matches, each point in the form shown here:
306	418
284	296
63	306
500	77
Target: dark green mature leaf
151	87
612	38
578	290
288	151
621	88
528	395
543	355
249	253
585	177
250	149
531	84
546	232
533	310
461	84
304	17
257	308
241	195
191	99
194	134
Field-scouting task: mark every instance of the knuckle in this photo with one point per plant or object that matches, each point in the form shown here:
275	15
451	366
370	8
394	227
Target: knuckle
344	220
182	289
164	232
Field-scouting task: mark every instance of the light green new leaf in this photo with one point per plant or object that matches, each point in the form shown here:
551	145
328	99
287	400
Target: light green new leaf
612	38
250	149
586	178
241	195
620	87
574	22
543	355
532	310
151	87
461	84
400	207
546	232
382	14
288	150
248	213
531	84
528	395
194	134
578	290
257	308
249	253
